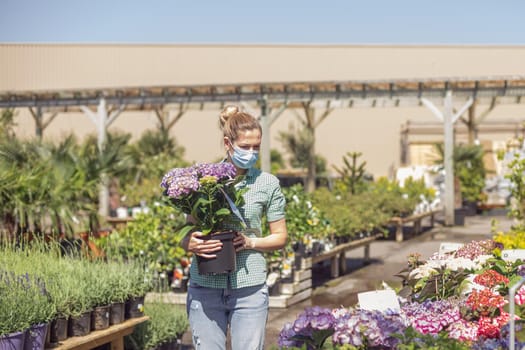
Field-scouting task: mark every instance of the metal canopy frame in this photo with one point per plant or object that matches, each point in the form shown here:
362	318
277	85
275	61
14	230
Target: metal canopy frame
275	93
282	95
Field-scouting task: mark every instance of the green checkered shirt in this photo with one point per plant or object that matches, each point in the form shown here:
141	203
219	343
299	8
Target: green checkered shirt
264	197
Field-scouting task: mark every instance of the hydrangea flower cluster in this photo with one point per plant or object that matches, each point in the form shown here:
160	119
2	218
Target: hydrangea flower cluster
431	316
369	328
179	182
311	328
201	190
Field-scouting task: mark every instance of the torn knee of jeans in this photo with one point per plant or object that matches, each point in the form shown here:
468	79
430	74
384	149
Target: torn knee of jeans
196	339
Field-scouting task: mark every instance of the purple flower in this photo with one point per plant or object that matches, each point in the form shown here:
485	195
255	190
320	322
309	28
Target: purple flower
221	171
312	319
286	337
368	328
311	328
179	182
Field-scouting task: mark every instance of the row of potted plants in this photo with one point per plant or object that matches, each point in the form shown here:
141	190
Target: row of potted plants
68	293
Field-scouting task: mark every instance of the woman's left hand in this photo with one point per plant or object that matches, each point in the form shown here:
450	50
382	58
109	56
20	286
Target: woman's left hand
241	242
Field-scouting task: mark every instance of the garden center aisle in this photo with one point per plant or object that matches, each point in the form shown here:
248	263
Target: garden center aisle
388	257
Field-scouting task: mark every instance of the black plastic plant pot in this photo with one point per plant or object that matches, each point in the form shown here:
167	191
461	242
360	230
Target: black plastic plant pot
224	261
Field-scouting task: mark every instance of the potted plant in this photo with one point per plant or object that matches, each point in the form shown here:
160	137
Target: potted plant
205	192
43	312
15	303
139	283
101	294
120	290
77	279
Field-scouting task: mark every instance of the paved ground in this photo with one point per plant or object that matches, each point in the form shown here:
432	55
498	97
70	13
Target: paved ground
388	257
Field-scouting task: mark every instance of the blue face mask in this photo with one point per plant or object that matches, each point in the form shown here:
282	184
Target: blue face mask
244	159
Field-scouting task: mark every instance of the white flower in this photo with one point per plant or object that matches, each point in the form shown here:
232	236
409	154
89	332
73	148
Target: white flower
422	272
481	260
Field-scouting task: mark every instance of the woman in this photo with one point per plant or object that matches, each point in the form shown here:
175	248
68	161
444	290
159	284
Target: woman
238	300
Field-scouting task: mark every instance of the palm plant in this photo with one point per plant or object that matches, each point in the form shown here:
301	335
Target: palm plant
44	184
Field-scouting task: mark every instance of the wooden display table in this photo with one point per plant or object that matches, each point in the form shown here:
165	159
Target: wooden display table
114	335
337	255
399	222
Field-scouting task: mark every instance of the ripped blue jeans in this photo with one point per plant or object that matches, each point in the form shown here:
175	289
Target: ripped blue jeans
212	310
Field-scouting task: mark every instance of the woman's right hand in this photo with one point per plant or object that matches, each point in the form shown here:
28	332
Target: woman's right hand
201	247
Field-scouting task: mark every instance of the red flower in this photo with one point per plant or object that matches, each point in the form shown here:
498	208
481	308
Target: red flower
490	278
490	327
485	301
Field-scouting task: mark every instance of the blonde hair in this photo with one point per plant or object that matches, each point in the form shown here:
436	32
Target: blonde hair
233	120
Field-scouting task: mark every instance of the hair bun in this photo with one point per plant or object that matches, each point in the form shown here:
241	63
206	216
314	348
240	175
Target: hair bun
228	112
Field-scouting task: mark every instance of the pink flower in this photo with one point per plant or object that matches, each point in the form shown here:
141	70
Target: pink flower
463	330
519	298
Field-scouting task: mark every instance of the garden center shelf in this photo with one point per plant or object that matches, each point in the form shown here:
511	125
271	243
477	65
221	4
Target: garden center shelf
113	335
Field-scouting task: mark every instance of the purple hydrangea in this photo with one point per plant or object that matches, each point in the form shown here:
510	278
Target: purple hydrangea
286	337
224	170
179	182
430	317
369	328
312	319
313	325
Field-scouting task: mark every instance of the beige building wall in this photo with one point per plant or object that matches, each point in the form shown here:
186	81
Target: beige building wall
373	131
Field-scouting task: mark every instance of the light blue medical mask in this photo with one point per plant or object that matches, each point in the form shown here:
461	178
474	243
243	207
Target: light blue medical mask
244	159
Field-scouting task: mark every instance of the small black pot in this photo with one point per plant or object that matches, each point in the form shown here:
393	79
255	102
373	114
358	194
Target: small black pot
100	317
58	330
224	262
79	326
135	307
117	313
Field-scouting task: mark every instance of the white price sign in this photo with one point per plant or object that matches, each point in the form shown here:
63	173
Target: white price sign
513	254
378	300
